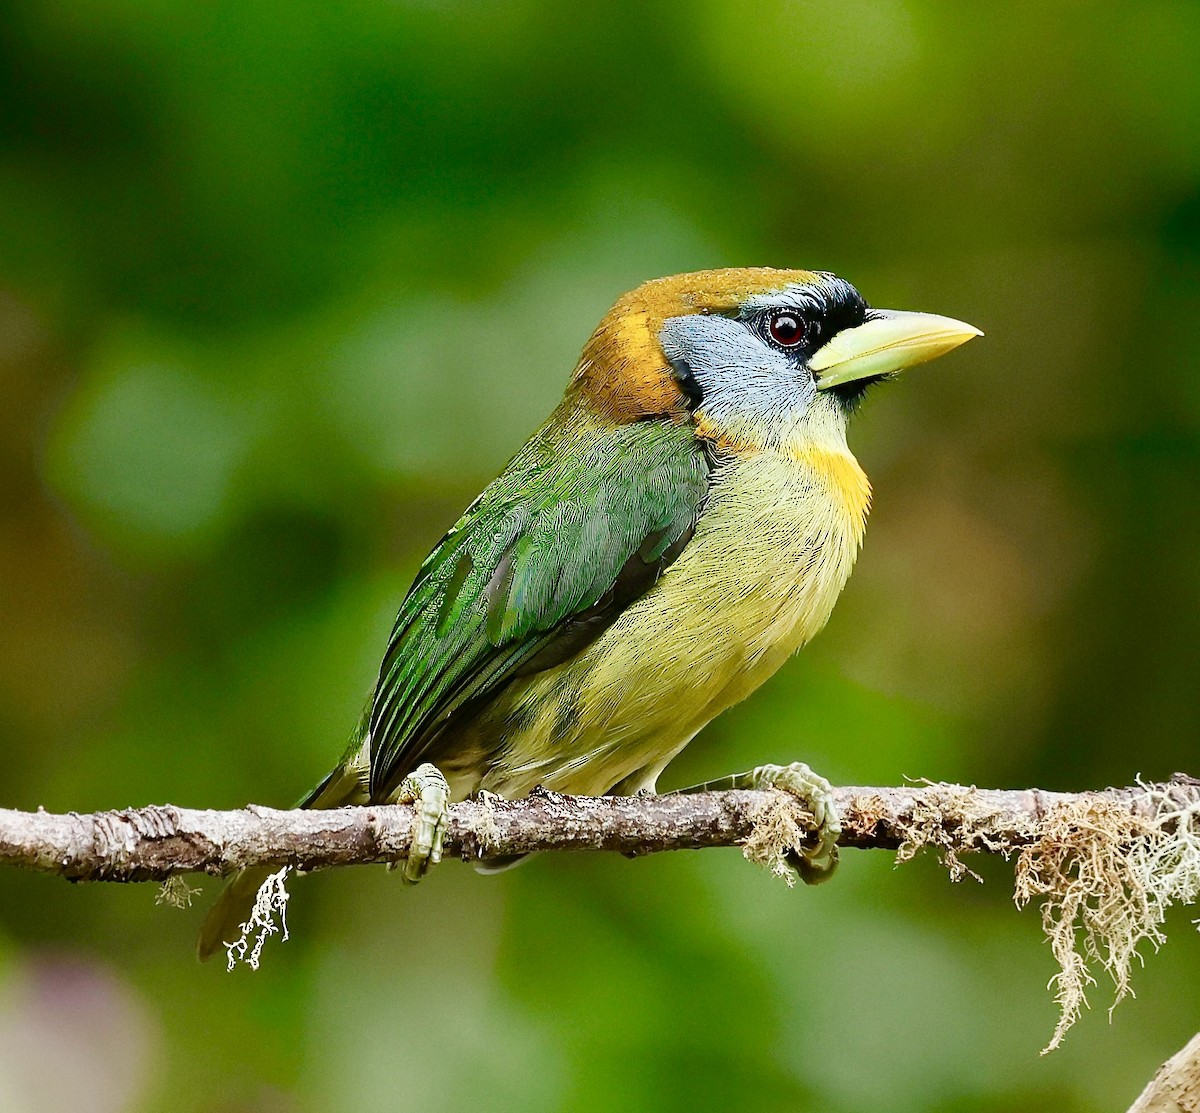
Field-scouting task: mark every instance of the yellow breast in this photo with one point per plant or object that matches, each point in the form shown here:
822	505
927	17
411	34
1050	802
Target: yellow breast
771	552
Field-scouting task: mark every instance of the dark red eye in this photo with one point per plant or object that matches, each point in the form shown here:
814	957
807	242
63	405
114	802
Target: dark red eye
787	329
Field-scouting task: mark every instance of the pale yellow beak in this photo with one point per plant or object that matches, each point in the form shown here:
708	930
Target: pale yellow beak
890	341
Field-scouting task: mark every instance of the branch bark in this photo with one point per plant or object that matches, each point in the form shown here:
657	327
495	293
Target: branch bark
1176	1086
157	842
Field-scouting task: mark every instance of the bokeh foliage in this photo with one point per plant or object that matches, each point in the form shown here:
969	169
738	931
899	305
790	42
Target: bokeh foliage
282	285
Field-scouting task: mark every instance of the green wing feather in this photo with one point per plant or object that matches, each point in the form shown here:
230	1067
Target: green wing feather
580	524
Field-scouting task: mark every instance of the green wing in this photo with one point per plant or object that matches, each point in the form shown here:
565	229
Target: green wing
580	524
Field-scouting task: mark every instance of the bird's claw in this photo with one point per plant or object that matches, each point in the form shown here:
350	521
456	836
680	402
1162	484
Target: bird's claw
815	863
428	791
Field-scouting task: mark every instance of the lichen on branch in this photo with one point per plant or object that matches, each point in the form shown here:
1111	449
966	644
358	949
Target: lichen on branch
1106	874
1104	866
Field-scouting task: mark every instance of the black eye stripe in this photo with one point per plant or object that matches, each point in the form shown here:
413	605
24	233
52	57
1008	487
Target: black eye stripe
823	310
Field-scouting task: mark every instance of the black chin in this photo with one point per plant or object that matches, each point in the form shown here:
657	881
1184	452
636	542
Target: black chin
851	395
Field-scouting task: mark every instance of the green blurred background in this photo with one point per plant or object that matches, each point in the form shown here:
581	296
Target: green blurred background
283	285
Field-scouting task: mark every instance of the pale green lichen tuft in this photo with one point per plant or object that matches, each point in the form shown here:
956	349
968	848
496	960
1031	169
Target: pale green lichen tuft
775	835
1105	867
269	902
1106	871
487	831
955	820
175	893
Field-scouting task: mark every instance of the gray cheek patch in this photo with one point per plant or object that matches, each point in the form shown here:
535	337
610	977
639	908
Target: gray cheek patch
736	373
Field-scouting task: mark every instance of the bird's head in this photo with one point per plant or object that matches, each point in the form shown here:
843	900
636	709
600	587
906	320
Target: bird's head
755	356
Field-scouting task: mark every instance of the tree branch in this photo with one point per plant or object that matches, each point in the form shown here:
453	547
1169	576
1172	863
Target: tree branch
1104	866
1176	1086
157	842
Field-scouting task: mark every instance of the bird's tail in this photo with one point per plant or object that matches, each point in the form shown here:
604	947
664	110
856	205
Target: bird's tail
223	924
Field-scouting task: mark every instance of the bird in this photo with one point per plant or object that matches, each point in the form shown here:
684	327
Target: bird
680	525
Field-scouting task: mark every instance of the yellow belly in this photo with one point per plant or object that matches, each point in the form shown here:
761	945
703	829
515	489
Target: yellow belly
759	578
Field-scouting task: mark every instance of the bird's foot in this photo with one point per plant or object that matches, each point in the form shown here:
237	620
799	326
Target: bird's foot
815	863
429	792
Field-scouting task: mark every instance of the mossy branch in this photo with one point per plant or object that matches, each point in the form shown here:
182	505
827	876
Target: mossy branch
157	842
1105	866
